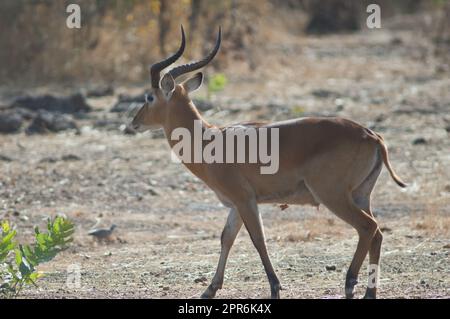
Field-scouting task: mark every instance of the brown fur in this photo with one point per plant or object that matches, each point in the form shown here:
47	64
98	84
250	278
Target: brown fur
329	161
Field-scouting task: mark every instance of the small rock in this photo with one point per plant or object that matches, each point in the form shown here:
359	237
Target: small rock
377	100
166	288
70	157
396	41
46	122
419	141
330	268
201	279
380	118
10	122
152	191
5	158
324	94
121	240
49	159
68	104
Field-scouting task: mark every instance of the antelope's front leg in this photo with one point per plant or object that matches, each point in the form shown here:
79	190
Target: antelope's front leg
229	233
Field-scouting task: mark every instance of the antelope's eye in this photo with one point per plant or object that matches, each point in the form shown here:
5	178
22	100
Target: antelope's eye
148	98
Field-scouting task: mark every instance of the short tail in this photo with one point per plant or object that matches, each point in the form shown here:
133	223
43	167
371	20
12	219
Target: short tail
384	155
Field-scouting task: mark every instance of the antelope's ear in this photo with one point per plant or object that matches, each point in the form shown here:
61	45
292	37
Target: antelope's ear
167	85
193	83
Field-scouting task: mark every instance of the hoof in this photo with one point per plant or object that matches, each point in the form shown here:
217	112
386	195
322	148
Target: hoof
275	291
371	293
349	293
350	287
275	295
209	293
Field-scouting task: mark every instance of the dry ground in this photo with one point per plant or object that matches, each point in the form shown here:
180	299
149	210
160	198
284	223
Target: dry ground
167	241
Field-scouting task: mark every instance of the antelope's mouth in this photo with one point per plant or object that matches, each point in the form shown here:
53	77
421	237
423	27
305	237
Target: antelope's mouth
132	114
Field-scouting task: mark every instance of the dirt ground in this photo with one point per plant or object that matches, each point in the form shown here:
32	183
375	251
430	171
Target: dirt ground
167	242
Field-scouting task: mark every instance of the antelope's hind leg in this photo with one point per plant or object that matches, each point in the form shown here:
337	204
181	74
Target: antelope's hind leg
361	197
341	203
366	227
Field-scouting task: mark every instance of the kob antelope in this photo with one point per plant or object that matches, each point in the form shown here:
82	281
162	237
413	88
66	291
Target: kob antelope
329	161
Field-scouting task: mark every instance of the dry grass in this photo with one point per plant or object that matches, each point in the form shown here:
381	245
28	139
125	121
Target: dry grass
322	225
432	222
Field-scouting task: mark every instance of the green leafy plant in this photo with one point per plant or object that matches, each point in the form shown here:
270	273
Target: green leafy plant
18	262
216	83
298	110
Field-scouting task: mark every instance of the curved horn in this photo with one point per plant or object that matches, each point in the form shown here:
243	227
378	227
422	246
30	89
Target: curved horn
158	67
186	68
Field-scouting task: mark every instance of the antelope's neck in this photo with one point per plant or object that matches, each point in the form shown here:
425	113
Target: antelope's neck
184	115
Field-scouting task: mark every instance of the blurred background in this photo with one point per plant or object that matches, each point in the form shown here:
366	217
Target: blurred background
65	147
119	39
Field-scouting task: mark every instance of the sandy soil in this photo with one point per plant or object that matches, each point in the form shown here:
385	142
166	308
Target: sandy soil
168	238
